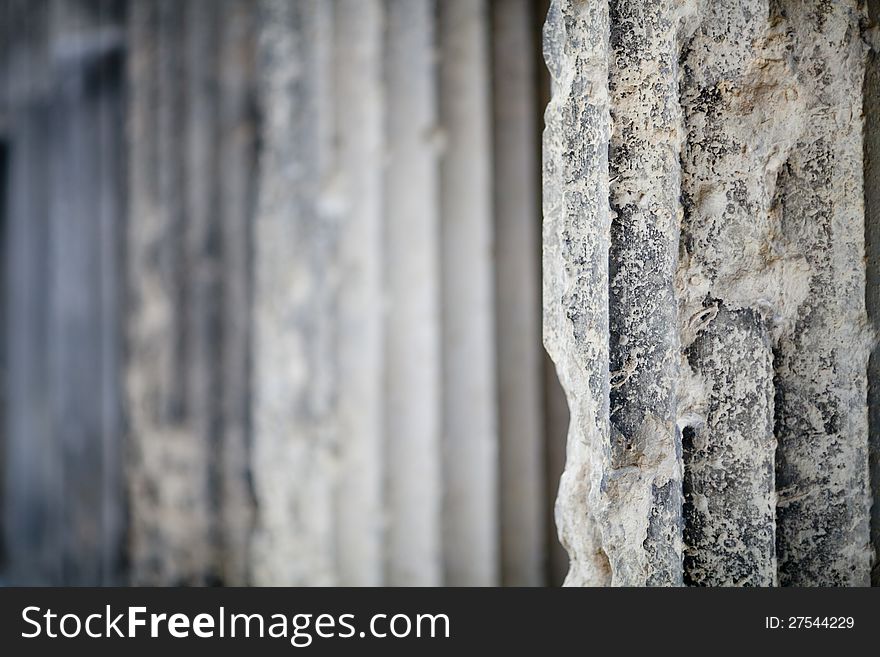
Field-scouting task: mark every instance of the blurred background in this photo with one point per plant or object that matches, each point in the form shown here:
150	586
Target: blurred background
270	294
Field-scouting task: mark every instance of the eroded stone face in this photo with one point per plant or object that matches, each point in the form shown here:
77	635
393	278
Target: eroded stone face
718	292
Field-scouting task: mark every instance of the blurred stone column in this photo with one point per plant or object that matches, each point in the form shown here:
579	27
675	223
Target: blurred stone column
516	181
470	423
296	436
412	277
360	142
190	171
63	481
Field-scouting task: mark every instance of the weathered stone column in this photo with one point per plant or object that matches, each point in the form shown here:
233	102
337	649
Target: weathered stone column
743	111
190	176
738	319
576	240
644	354
872	252
295	434
822	473
168	483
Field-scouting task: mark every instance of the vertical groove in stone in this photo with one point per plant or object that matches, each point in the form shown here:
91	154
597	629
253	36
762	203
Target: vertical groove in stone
412	347
359	526
729	482
871	102
294	433
169	482
576	239
237	183
737	277
470	441
644	354
520	362
823	512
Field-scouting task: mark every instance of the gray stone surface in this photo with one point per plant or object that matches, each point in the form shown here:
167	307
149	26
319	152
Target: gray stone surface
295	433
822	474
412	274
872	253
643	255
738	319
469	396
358	26
190	165
576	239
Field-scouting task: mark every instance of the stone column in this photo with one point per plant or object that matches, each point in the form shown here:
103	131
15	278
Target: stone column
577	221
742	115
358	26
872	252
295	433
715	355
470	441
411	271
190	172
644	356
822	476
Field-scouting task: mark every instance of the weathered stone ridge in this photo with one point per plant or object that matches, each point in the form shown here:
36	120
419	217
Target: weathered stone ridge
576	239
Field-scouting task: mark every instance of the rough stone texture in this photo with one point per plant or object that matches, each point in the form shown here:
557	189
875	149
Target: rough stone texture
295	437
743	111
519	357
728	487
470	441
821	416
556	422
644	354
576	239
359	138
872	252
412	274
168	484
741	321
555	406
